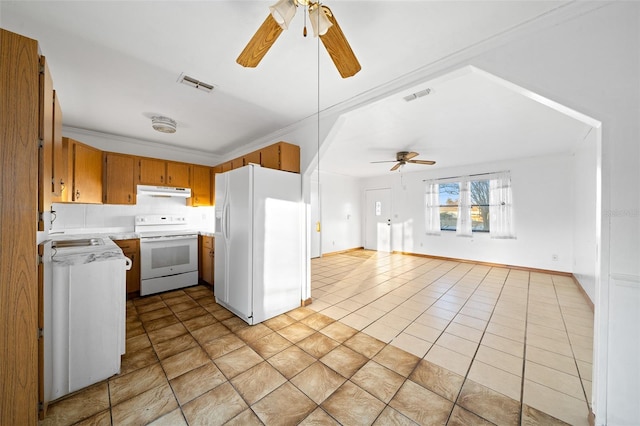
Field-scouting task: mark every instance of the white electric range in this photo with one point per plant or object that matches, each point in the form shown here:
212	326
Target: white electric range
168	253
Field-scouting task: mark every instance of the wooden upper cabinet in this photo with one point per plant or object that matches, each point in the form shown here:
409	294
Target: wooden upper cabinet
236	163
151	171
86	172
252	157
178	174
201	187
225	167
281	156
119	185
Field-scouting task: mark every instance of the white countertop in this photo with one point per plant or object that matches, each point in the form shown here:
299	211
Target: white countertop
107	250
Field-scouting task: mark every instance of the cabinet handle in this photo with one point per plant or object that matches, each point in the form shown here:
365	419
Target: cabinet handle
77	195
129	197
169	179
162	179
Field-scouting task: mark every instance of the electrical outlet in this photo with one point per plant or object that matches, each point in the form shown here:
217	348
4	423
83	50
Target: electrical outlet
554	257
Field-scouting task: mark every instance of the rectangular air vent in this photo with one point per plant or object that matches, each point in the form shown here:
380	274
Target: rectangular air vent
417	95
190	81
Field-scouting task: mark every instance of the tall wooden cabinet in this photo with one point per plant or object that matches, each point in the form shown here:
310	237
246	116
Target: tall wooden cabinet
19	126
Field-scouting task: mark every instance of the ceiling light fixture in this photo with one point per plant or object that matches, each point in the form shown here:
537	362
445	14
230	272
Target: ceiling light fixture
163	124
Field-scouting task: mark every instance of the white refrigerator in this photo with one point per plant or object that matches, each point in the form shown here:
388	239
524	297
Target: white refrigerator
259	243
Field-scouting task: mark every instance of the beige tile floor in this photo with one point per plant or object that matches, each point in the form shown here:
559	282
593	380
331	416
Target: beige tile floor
389	339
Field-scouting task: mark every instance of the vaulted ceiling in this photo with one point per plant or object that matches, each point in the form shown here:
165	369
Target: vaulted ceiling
117	63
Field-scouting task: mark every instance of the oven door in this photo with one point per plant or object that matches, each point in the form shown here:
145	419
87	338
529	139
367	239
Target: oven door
165	256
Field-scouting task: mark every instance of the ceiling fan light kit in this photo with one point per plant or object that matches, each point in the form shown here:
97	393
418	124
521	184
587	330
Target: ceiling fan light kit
283	12
324	25
319	19
163	124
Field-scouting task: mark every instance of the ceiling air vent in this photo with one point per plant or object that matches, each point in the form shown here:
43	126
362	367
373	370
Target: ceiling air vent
417	95
190	81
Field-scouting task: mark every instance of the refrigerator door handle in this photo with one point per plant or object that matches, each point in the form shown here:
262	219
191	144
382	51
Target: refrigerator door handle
225	222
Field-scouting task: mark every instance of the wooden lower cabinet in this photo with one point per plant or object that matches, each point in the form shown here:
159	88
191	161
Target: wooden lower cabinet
131	249
207	258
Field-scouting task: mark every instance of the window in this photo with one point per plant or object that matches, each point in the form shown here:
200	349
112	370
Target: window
451	207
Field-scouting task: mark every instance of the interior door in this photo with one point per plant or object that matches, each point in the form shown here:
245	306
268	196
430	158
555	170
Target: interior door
378	219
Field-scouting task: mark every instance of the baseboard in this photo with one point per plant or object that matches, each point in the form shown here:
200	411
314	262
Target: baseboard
584	293
306	302
494	265
333	253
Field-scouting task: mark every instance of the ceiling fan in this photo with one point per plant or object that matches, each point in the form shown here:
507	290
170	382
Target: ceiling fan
324	25
404	157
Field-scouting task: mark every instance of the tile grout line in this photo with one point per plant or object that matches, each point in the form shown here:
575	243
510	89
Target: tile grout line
481	337
575	360
524	348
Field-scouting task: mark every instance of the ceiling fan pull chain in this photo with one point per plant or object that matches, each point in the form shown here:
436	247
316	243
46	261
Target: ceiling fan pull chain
304	30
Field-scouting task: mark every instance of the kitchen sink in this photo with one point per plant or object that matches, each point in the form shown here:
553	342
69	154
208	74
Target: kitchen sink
85	242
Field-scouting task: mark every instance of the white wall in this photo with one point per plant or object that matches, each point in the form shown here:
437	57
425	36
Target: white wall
542	212
585	215
341	215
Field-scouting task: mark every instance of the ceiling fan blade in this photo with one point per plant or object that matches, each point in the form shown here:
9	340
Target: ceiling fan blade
389	161
260	43
339	49
410	155
427	162
396	167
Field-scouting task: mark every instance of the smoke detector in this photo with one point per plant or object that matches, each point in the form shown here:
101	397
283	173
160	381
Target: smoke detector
163	124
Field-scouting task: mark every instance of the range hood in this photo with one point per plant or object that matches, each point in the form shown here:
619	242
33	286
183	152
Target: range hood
164	191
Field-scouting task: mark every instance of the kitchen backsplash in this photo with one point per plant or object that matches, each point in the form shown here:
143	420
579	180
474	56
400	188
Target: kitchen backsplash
67	217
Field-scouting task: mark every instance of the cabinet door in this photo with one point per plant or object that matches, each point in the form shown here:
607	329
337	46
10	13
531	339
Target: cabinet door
201	188
225	167
178	174
270	156
151	171
236	163
45	134
206	259
119	182
87	174
131	249
281	156
289	157
59	159
252	157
